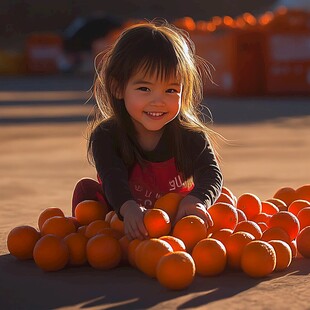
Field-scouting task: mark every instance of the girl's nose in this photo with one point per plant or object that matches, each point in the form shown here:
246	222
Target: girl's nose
157	100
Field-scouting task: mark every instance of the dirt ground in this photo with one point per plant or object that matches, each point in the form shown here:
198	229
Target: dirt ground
43	154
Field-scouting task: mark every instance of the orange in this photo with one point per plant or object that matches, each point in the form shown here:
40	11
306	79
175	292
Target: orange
227	191
124	243
302	242
303	192
117	224
82	229
250	227
176	270
234	246
108	231
225	198
263	226
138	256
258	259
157	223
103	252
276	233
269	208
281	205
88	211
169	203
59	226
224	215
94	227
298	205
261	217
74	221
293	246
304	217
209	256
176	243
250	204
190	229
222	235
51	253
287	221
48	213
283	254
109	216
152	251
241	216
131	251
21	241
76	244
286	194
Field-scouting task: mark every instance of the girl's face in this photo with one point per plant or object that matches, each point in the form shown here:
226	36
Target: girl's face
152	102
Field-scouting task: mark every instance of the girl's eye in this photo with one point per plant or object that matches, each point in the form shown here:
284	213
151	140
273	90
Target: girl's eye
171	91
143	89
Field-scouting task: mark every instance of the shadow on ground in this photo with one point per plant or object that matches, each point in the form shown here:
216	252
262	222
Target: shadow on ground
24	286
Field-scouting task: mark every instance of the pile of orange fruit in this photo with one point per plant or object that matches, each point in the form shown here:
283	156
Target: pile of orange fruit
250	235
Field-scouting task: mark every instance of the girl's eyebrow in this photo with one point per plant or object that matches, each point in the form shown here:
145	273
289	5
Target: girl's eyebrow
141	82
150	83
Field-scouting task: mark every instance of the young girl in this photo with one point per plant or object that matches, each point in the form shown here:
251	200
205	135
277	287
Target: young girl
147	138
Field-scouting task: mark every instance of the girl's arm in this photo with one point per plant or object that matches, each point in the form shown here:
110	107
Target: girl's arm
207	178
114	176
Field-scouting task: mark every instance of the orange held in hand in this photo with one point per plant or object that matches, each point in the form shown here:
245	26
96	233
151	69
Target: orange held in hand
169	203
51	253
157	223
21	241
190	229
48	213
223	215
175	270
258	259
209	256
59	226
103	252
88	211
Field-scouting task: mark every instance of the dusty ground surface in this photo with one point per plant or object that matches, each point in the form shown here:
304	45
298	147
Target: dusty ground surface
43	154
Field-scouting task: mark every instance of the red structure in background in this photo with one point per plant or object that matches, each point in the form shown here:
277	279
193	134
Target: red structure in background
43	52
255	56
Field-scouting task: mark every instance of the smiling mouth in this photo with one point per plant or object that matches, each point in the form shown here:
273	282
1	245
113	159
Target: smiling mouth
155	114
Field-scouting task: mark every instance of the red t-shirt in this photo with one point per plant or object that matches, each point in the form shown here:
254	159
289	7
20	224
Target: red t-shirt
159	175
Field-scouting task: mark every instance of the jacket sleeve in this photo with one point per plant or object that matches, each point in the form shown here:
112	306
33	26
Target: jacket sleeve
111	169
207	176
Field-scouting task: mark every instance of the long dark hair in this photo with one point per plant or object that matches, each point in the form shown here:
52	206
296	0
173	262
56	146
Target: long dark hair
156	48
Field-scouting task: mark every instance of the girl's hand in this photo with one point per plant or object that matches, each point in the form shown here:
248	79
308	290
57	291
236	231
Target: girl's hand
191	205
133	220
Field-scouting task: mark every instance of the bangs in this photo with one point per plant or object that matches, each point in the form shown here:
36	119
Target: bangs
151	53
159	63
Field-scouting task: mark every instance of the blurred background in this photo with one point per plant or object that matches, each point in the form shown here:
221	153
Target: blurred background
257	47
